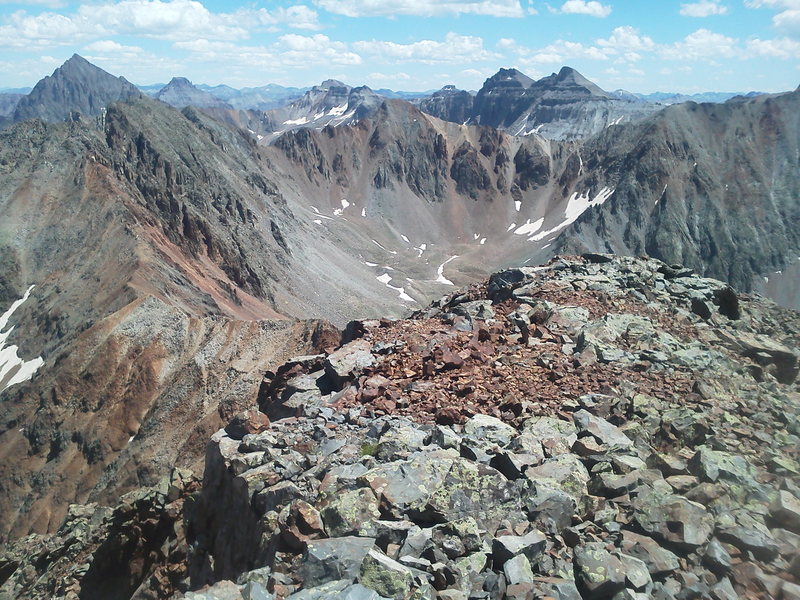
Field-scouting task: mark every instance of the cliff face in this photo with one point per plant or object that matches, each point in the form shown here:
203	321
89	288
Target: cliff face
561	106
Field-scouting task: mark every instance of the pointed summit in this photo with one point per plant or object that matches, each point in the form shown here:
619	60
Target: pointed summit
570	81
76	86
180	92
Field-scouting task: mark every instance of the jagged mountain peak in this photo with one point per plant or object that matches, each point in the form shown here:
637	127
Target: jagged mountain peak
180	81
331	83
180	92
570	79
75	86
509	77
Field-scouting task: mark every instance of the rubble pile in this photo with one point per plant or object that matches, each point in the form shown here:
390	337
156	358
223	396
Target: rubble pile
600	427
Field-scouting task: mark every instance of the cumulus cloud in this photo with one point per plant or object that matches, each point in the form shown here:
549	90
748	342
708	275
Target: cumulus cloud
788	18
705	8
111	47
783	48
454	48
559	52
582	7
422	8
627	38
702	44
174	20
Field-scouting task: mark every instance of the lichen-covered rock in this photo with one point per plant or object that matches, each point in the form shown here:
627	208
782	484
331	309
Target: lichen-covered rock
672	518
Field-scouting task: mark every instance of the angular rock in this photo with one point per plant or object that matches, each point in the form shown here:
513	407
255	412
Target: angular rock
785	511
351	512
333	559
490	429
672	518
604	432
248	422
518	570
565	472
506	547
598	572
349	361
388	577
658	559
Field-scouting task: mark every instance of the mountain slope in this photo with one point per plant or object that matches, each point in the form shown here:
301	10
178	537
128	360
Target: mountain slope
76	86
711	186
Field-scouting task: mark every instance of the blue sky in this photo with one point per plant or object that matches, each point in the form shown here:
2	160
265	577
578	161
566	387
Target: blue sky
639	45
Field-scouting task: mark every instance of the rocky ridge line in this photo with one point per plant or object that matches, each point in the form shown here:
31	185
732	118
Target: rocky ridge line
596	428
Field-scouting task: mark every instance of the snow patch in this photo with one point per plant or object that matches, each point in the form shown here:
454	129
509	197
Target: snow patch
517	205
300	121
382	248
338	211
420	249
510	227
370	264
405	239
364	212
576	206
338	111
318	221
529	228
482	242
13	369
401	291
440	278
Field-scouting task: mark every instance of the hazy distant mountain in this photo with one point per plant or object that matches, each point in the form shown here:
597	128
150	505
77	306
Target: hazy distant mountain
562	106
181	93
76	86
667	98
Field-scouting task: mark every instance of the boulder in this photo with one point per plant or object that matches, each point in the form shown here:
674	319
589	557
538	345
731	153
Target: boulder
659	560
349	361
506	547
672	518
350	513
604	432
785	511
598	571
388	577
333	559
490	429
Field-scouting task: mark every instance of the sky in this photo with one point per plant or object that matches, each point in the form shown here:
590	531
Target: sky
415	45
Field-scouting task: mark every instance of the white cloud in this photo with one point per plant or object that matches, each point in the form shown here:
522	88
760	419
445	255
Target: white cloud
704	8
788	17
422	8
300	50
389	77
559	52
454	48
702	44
175	20
784	48
627	38
582	7
111	47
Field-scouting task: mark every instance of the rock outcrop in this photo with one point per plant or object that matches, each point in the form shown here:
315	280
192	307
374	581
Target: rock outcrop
593	428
